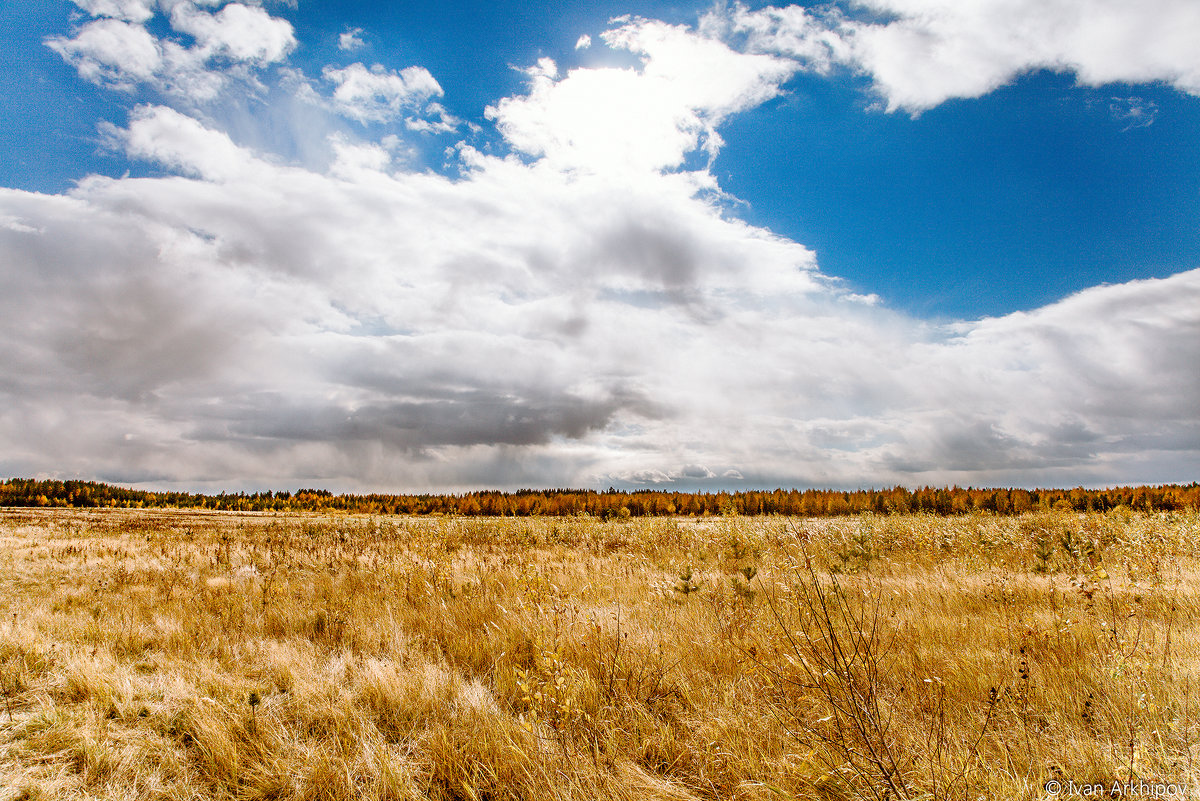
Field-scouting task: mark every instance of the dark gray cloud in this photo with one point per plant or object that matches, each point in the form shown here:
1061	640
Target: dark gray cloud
467	418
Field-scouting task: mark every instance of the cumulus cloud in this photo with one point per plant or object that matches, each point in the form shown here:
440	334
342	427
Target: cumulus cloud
526	325
178	142
351	40
638	119
110	51
811	38
130	10
378	94
587	313
928	51
208	51
583	42
237	32
118	51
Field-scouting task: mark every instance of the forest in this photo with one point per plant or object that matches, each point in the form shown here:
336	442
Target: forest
613	503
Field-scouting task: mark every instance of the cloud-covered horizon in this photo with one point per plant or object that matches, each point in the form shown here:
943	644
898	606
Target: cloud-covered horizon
585	308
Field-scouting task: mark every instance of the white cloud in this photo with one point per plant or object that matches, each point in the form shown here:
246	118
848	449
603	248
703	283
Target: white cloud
643	119
352	161
581	315
940	49
179	142
351	40
438	324
129	10
932	50
524	325
583	42
794	31
15	224
112	52
237	32
124	55
379	94
436	120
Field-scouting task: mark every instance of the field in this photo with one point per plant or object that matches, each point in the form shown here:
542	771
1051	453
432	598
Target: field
189	655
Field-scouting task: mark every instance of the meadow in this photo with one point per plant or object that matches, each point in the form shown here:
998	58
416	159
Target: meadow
158	654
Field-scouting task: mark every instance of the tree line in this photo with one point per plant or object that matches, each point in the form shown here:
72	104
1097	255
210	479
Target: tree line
618	503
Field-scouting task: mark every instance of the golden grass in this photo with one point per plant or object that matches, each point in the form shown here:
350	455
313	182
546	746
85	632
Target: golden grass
189	655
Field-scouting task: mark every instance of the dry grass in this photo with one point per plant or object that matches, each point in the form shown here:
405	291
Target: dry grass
183	655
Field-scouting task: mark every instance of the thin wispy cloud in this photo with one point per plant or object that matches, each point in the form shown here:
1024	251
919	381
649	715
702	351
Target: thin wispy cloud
1133	112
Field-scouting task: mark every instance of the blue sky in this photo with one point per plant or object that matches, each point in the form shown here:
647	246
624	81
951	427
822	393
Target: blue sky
438	246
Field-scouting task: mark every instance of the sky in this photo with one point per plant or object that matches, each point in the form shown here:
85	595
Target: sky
443	246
